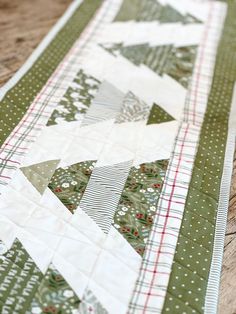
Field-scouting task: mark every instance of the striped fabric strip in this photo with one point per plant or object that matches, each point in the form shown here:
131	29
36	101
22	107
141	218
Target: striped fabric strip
106	104
151	286
103	191
17	144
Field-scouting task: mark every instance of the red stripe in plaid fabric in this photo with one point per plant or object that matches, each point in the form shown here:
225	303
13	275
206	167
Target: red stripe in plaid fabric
165	227
167	216
151	286
198	72
39	112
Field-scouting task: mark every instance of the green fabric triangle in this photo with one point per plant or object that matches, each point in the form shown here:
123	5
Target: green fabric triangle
40	174
21	279
158	115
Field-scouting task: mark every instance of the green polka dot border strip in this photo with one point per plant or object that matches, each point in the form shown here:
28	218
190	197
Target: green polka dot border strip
26	107
117	140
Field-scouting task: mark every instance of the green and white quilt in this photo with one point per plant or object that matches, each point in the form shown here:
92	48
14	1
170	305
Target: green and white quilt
116	149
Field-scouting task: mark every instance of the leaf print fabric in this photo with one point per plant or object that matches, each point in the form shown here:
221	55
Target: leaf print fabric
76	100
54	296
69	183
133	109
134	215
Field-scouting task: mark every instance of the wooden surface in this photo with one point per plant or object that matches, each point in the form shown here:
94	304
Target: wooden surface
23	24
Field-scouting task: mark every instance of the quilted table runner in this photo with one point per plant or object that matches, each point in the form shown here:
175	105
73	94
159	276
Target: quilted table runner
116	148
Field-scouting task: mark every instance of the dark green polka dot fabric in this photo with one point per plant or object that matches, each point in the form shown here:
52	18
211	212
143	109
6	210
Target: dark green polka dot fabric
158	115
192	260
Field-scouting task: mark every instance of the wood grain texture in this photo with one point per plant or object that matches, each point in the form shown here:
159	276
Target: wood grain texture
23	24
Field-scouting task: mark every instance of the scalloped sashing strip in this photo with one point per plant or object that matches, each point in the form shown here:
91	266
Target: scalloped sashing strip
106	194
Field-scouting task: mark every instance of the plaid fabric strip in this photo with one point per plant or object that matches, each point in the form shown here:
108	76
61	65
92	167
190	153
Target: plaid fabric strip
151	286
17	144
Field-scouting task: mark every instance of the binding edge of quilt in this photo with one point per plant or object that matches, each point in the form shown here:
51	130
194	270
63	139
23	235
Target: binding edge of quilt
212	293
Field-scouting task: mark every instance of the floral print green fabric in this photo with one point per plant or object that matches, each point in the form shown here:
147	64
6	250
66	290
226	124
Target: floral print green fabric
76	100
177	62
69	183
54	296
134	215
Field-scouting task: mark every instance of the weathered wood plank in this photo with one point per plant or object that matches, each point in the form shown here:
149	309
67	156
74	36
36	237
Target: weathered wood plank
23	24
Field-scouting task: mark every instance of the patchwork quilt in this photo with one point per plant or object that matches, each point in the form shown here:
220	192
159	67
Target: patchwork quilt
116	148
